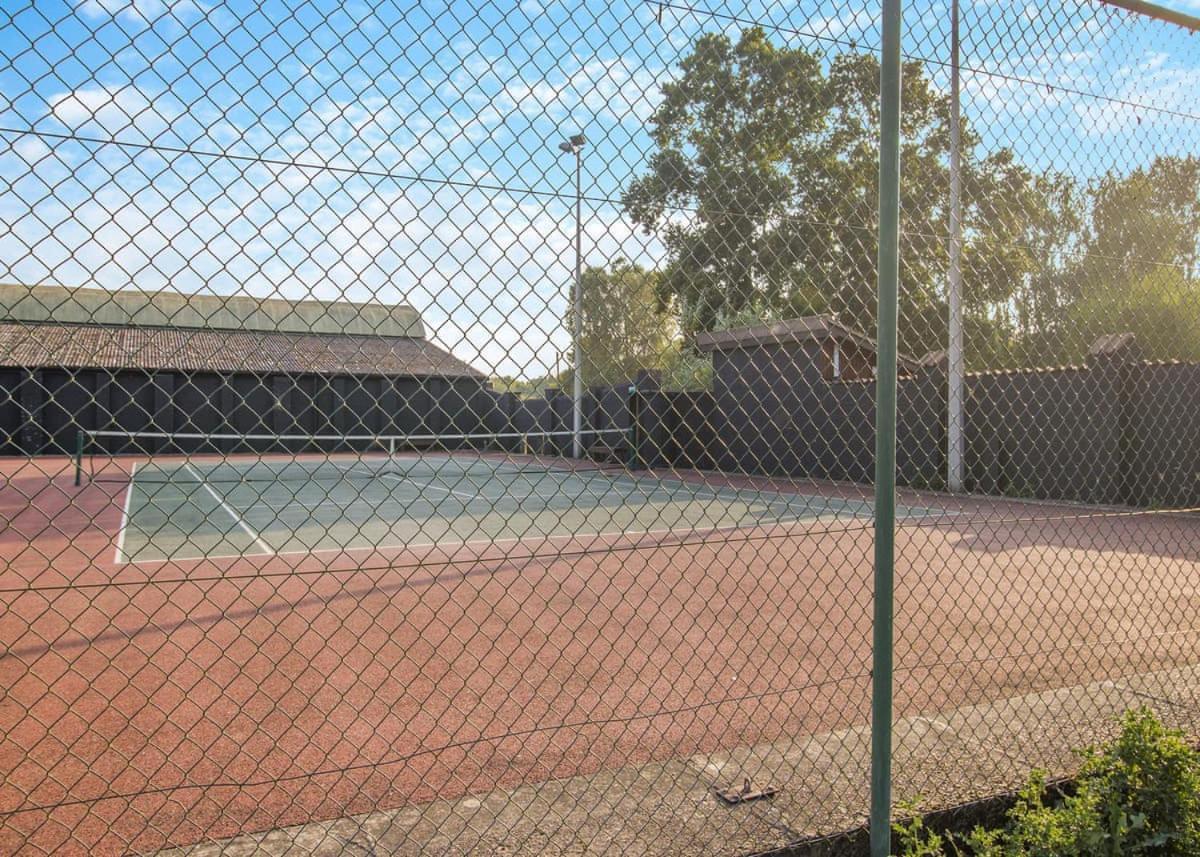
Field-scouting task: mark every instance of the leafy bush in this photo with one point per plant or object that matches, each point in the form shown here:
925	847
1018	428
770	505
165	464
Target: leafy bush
1136	795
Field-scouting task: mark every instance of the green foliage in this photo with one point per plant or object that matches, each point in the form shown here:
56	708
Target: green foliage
1133	268
625	325
917	840
763	188
684	369
773	153
726	132
524	387
1159	308
1137	795
1146	219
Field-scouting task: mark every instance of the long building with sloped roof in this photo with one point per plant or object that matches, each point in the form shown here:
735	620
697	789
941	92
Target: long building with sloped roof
163	367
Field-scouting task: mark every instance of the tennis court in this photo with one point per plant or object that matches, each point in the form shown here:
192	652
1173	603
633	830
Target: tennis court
404	675
181	509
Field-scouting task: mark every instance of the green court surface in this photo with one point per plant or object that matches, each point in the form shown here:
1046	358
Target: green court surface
195	510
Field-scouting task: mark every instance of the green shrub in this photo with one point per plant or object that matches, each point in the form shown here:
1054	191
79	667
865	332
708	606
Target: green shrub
1136	795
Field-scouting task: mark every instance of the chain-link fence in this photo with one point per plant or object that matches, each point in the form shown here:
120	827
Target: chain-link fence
451	428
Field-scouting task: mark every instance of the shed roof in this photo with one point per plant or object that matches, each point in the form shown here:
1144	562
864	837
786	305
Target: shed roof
1110	344
793	330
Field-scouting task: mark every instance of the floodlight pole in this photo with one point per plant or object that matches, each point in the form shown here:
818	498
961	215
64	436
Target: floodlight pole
574	146
954	354
885	430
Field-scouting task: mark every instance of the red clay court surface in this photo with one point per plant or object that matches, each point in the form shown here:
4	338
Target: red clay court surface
165	702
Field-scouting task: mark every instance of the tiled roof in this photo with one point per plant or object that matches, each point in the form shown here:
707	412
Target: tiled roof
51	304
791	330
1112	343
196	350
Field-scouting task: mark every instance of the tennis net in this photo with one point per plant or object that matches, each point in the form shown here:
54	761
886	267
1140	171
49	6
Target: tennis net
112	456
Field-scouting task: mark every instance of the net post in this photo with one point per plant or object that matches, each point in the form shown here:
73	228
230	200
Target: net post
632	458
885	430
78	457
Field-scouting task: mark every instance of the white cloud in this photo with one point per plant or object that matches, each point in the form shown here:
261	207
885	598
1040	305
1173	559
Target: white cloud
616	89
1156	82
490	274
114	110
139	11
489	271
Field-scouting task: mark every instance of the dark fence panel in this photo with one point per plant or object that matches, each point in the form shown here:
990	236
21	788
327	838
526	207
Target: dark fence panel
1046	434
42	410
11	415
845	415
1104	433
920	430
692	439
68	397
1163	416
1084	433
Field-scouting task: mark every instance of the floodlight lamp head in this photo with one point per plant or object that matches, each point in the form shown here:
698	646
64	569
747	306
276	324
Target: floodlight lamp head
573	145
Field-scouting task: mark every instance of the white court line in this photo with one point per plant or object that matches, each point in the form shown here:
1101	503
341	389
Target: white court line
237	519
401	479
401	502
120	557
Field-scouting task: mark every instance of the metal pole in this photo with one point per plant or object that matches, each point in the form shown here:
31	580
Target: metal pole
577	427
78	457
885	429
1153	10
954	367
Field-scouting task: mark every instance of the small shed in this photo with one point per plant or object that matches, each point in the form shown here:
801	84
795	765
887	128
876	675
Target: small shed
815	343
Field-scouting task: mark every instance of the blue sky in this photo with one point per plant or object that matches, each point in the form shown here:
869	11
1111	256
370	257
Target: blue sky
382	103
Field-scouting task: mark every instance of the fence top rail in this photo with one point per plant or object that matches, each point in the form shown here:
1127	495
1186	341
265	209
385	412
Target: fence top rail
1153	10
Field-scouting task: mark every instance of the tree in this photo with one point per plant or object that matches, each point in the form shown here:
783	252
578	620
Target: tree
725	132
1133	269
1161	309
525	387
764	189
1146	219
626	327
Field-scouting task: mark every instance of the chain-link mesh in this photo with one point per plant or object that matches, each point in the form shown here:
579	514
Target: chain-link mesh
450	428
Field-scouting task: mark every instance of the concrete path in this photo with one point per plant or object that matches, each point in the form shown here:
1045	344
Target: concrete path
669	808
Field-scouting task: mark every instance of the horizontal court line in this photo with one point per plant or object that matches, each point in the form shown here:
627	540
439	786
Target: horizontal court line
830	516
475	496
381	502
694	491
654	494
664	497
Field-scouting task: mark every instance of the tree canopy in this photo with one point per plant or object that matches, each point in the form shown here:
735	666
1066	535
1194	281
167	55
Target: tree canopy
625	326
763	188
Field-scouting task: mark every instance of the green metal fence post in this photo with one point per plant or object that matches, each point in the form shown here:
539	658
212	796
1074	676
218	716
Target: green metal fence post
885	428
78	458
